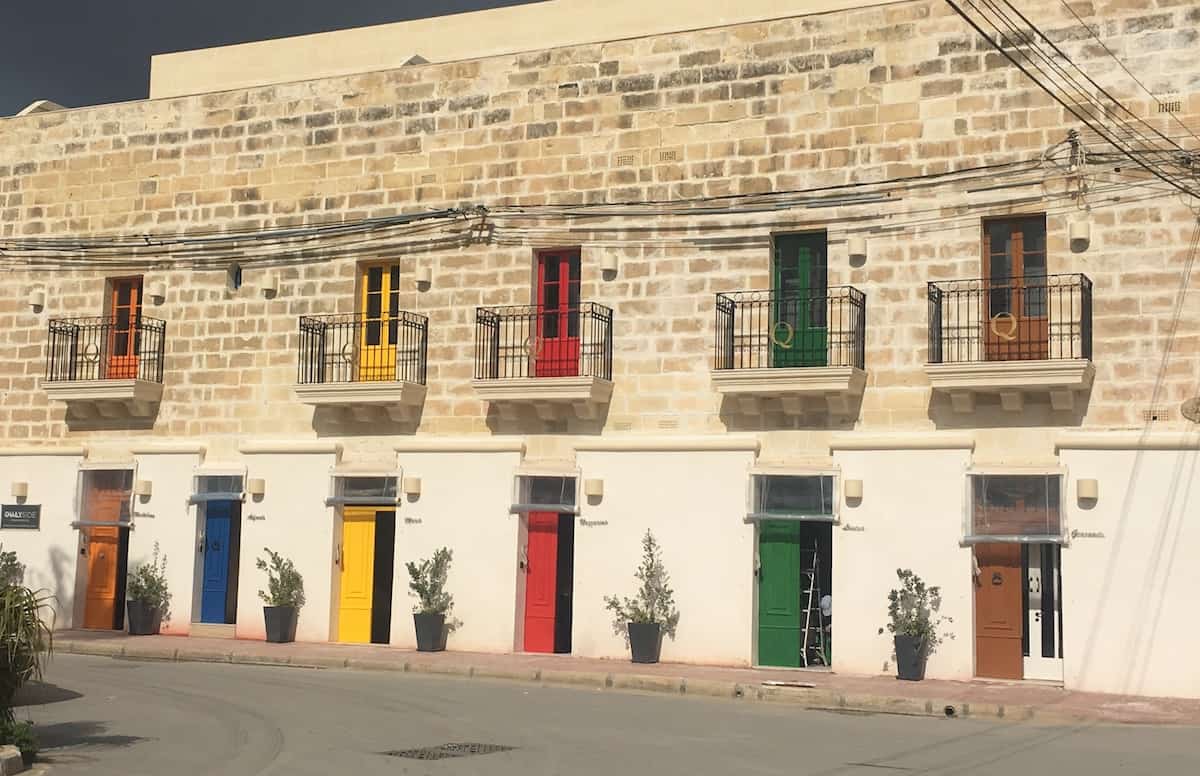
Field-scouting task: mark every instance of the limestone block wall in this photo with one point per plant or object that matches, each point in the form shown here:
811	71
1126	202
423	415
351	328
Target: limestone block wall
848	97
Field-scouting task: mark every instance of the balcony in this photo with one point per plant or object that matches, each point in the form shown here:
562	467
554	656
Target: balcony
1011	337
366	369
789	350
106	367
556	361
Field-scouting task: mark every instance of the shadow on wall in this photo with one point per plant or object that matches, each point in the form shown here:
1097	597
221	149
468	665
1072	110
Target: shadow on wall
816	417
989	414
528	422
62	567
337	422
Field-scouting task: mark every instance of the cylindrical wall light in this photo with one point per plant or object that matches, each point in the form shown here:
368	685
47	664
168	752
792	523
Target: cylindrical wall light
593	488
157	291
608	261
424	275
1081	231
412	486
143	488
1087	490
37	298
270	285
857	247
256	487
853	490
20	489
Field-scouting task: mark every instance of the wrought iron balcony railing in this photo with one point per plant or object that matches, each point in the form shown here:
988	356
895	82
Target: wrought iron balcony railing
766	329
532	341
355	348
106	348
1035	318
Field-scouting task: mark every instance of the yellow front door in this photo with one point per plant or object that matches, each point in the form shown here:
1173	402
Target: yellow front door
380	322
358	574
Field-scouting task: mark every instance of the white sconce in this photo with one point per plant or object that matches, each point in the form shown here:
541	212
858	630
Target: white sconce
157	291
37	299
593	488
608	262
857	247
256	487
1087	490
143	488
20	490
412	486
853	490
424	275
1080	233
270	285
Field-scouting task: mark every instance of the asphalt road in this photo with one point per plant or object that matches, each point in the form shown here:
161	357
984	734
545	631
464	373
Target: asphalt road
100	716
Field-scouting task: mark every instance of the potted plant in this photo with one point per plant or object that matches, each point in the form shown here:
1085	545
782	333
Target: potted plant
283	597
26	641
651	614
914	622
20	735
432	614
149	601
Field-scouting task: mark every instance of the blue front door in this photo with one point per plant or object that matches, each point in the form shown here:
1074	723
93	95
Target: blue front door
217	534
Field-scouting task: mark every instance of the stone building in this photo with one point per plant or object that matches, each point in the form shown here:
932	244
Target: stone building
813	291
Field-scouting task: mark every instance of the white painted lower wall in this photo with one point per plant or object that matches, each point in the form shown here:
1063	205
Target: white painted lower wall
695	502
1129	581
1130	596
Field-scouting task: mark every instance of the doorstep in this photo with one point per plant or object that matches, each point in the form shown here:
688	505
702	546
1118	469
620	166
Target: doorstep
1018	702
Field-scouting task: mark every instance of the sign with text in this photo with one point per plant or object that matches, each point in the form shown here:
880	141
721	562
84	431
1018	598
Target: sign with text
28	516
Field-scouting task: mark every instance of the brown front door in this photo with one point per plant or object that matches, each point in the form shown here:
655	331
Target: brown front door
1015	323
103	550
998	611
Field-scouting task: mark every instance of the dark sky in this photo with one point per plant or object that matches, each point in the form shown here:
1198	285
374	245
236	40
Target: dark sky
87	52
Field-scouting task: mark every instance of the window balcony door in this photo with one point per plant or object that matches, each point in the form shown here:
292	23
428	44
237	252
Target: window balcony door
1015	323
124	339
380	323
555	351
799	331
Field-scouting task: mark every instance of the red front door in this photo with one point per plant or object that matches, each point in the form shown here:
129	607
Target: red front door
541	574
557	350
125	316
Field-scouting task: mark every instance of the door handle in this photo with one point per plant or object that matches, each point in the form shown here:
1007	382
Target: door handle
337	560
523	562
201	543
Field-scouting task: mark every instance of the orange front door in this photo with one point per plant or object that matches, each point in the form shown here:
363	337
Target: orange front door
999	612
103	557
125	313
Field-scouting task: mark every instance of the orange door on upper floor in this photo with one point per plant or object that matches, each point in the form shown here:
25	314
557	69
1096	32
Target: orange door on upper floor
125	312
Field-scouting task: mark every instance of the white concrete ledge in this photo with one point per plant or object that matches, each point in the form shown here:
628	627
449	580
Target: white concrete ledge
170	448
756	389
915	440
550	397
461	445
1128	440
368	401
15	452
106	398
284	446
1061	379
667	444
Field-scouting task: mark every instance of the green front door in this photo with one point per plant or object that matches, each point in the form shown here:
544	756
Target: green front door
779	609
799	330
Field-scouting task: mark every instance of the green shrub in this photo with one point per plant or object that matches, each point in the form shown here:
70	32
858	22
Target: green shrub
285	586
148	583
20	735
12	571
913	611
655	600
26	640
428	583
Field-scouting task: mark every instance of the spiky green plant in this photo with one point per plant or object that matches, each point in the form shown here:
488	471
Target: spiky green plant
26	640
655	600
285	586
427	581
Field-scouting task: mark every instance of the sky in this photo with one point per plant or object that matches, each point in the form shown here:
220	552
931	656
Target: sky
89	52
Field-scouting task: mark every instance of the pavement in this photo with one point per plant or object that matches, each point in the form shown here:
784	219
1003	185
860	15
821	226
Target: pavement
1013	701
103	717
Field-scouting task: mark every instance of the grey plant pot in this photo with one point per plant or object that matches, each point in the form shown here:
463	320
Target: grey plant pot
281	623
645	641
431	632
144	619
911	655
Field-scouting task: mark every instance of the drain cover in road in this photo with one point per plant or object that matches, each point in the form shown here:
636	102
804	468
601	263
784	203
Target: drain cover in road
446	751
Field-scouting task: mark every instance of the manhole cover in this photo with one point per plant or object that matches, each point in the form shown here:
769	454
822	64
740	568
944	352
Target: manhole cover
446	751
